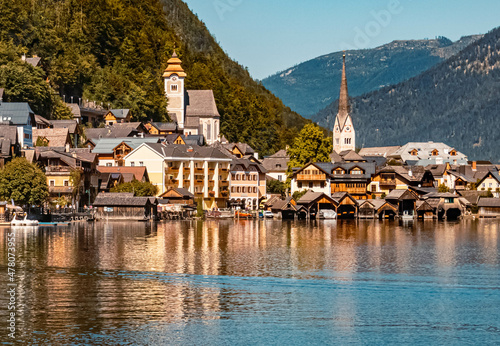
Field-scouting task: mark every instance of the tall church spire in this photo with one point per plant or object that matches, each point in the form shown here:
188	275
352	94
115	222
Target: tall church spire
344	95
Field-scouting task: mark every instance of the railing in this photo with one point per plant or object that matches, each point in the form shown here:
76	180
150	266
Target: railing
57	169
387	182
310	177
351	190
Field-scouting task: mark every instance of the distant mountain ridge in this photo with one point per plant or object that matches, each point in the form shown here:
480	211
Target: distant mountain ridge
456	102
312	85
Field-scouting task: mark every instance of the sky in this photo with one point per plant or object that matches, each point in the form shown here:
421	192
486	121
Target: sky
269	36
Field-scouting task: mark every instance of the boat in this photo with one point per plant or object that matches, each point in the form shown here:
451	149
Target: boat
327	214
268	214
220	214
407	215
24	222
243	215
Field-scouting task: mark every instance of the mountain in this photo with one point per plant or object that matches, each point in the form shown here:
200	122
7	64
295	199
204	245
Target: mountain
456	102
314	84
115	51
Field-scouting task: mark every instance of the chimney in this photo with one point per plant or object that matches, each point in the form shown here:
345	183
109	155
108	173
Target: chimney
67	147
474	165
190	150
23	57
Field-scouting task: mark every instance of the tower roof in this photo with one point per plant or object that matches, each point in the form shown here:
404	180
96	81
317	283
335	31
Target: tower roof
344	98
174	67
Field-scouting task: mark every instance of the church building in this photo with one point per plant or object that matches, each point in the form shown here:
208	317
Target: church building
194	111
344	137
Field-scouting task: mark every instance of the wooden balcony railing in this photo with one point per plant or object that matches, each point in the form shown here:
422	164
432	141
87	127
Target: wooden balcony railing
311	177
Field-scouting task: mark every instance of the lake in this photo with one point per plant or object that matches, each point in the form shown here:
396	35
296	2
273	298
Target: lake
256	282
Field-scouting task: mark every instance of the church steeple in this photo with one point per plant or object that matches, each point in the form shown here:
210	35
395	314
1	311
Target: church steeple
344	136
174	89
344	95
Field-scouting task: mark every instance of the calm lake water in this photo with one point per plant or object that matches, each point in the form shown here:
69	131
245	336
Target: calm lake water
258	282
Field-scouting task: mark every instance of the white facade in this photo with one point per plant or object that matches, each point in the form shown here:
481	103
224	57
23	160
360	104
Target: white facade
344	137
174	90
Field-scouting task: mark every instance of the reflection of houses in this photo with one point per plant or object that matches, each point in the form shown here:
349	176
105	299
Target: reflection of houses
111	151
489	207
124	206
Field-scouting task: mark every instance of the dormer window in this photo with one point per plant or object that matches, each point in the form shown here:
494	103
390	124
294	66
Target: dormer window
435	152
356	171
414	152
339	171
453	152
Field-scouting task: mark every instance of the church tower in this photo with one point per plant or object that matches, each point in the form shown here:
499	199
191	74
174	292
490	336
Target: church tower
344	137
174	90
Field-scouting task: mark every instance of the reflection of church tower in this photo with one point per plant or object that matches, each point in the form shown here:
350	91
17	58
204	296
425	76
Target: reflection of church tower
174	90
344	137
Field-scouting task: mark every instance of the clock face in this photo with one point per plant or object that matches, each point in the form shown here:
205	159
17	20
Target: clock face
348	129
174	78
337	129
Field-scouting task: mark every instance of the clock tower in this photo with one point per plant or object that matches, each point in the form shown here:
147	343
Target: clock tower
174	90
344	137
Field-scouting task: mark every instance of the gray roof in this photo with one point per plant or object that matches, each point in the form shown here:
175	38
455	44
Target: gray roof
34	61
106	145
1	93
16	113
201	103
172	126
186	151
281	154
488	202
378	151
9	133
352	156
243	147
111	132
75	109
120	200
424	156
276	164
57	137
245	164
120	113
71	125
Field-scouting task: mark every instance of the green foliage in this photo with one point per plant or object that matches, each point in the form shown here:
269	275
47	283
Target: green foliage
115	52
139	188
297	195
41	142
276	187
443	188
489	194
383	195
75	178
309	146
23	182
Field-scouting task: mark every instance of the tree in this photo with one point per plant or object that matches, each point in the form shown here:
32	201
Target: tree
443	188
139	188
276	186
298	194
309	146
23	182
75	177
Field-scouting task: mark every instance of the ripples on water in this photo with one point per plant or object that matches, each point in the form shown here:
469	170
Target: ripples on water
266	282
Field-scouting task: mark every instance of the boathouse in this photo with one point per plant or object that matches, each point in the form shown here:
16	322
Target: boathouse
489	207
314	202
124	206
347	206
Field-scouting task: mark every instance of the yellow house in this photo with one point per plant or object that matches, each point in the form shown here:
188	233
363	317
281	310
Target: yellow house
115	116
203	171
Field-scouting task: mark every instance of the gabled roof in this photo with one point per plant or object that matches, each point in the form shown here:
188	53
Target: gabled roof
325	167
340	196
334	157
120	113
171	126
71	125
138	172
401	195
312	197
75	109
201	103
245	164
378	151
243	147
107	145
34	61
56	137
121	200
16	113
352	156
186	151
9	133
41	120
493	173
182	193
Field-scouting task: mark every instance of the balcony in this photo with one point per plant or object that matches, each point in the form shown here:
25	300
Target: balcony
199	170
57	169
311	177
223	183
351	190
388	183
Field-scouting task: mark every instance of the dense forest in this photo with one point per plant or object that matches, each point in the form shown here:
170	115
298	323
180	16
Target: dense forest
456	102
115	51
317	81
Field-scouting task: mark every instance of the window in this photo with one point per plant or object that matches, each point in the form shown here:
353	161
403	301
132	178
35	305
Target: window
238	189
322	185
173	87
254	190
255	177
132	164
337	141
66	183
374	188
311	184
244	189
52	183
299	184
280	178
232	188
109	164
356	171
243	177
141	163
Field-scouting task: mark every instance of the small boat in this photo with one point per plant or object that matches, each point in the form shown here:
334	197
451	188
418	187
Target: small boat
24	222
243	215
407	215
220	214
327	214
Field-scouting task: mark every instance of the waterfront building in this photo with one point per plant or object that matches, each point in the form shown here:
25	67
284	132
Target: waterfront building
161	129
203	171
194	111
123	206
314	176
344	136
392	178
489	207
109	177
248	183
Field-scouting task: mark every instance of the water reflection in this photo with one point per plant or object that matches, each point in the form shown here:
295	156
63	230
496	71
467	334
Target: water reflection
92	279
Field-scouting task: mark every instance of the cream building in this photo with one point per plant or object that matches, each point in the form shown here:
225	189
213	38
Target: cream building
204	171
344	136
194	111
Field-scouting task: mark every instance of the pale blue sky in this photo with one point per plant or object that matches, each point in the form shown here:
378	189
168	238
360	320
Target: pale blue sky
269	36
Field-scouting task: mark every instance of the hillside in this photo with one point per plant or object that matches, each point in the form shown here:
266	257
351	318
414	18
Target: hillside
456	102
115	51
317	81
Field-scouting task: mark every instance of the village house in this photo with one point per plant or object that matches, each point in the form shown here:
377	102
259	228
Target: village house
125	206
248	184
9	144
490	182
117	116
277	165
111	151
52	137
161	129
110	177
489	207
427	153
20	116
392	178
204	171
119	130
314	176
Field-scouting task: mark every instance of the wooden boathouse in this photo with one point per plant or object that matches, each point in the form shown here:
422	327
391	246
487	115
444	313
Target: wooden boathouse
124	206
